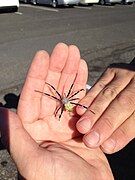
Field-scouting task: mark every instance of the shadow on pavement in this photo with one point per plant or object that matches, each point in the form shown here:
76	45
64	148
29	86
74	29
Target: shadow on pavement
11	102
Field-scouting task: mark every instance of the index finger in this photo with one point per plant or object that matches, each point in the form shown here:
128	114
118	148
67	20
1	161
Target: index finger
107	77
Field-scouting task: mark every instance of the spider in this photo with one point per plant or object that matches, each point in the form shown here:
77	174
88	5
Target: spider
66	101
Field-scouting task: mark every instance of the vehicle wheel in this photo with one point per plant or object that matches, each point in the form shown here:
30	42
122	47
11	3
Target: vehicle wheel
90	4
123	2
34	2
71	5
54	3
130	3
26	1
102	2
14	9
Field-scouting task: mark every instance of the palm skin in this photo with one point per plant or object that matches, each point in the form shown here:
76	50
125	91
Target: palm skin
59	70
52	148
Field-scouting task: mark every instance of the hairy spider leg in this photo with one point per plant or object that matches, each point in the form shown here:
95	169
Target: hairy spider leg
56	99
62	110
48	95
74	99
77	104
71	87
75	93
54	90
62	107
57	109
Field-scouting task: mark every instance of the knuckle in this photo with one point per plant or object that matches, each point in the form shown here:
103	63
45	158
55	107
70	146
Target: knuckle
126	100
101	84
110	70
109	92
109	123
127	73
96	110
86	100
133	82
123	133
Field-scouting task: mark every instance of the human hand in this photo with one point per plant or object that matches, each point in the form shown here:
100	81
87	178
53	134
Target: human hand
69	160
112	99
37	110
42	146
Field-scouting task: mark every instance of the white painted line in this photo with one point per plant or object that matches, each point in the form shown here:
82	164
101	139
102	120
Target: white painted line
18	13
82	7
39	7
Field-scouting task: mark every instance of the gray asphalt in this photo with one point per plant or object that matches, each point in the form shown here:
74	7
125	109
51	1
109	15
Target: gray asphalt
104	35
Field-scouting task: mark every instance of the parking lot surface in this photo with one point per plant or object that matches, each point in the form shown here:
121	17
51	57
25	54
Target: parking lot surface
104	34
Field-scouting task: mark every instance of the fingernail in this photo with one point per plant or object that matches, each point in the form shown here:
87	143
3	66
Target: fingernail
84	125
92	139
109	145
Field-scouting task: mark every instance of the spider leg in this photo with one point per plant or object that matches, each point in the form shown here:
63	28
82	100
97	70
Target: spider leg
74	99
54	90
56	111
48	95
77	104
71	87
62	109
76	93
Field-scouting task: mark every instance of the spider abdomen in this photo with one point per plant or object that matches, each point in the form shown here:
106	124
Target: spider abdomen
68	106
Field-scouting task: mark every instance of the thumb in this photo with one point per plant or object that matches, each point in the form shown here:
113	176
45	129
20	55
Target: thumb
15	137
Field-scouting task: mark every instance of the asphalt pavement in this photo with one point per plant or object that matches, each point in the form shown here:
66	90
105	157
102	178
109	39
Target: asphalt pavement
104	34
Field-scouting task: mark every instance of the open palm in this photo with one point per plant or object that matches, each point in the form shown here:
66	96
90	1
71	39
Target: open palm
37	110
61	154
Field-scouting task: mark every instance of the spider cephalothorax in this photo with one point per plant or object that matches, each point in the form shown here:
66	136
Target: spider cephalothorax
66	101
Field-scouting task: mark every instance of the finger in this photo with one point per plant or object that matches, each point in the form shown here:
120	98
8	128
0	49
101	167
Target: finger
70	70
68	75
57	62
102	101
121	137
116	113
29	103
81	79
79	88
107	77
15	138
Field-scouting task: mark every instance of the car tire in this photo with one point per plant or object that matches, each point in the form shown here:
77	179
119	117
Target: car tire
130	3
123	2
71	5
14	9
54	3
26	1
102	2
90	4
126	3
34	2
